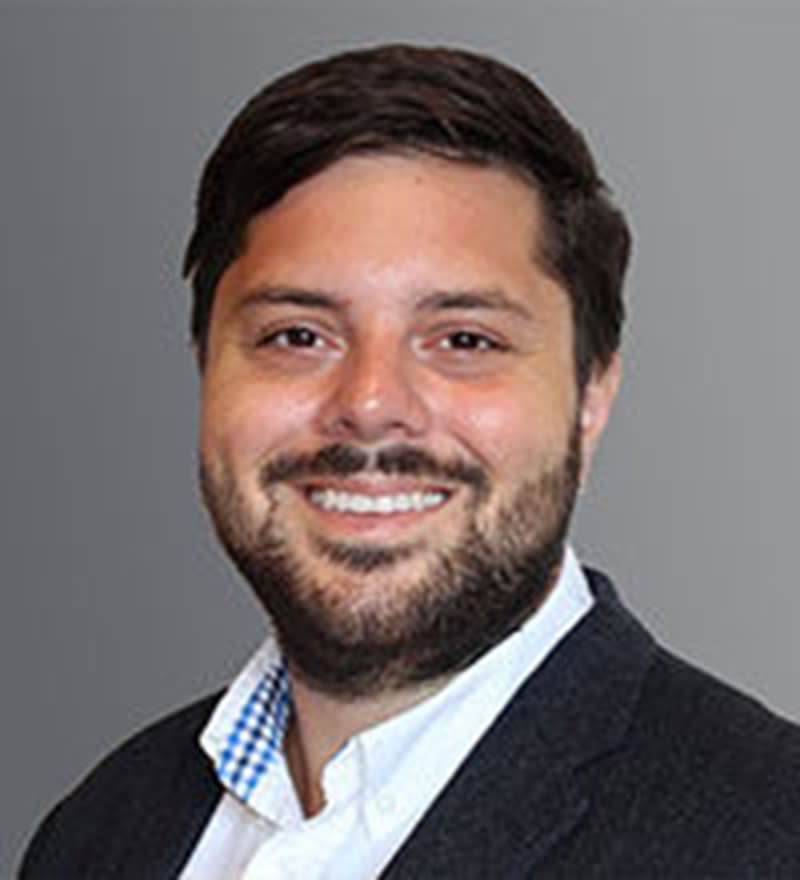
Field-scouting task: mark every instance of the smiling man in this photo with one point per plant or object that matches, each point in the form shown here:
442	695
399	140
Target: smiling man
407	277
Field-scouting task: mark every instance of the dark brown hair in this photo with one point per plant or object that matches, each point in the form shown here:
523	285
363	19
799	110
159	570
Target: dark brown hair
408	99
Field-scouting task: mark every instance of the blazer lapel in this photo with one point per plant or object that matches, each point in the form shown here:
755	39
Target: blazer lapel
164	841
519	792
165	826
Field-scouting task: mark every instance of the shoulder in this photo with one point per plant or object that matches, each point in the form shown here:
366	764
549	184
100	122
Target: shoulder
692	721
158	751
709	777
125	791
696	778
731	744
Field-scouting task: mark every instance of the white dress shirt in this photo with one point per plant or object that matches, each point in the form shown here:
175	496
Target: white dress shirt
380	783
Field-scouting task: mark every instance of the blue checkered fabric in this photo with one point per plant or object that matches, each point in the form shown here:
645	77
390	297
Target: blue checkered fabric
257	734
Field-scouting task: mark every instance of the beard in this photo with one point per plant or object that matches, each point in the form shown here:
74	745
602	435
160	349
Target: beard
384	632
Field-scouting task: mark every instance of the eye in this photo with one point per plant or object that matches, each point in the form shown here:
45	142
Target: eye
469	340
292	337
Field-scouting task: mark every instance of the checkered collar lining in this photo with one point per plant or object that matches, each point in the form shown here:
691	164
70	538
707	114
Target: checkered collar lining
256	735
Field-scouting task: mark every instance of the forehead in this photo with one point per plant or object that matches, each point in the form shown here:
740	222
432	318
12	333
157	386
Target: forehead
388	222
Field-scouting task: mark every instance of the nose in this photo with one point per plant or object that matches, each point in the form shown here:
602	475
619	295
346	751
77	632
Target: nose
374	396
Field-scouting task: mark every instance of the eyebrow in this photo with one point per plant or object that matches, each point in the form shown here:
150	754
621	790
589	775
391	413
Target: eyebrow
292	296
494	300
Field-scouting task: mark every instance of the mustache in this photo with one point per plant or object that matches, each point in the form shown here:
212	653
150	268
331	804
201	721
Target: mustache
345	460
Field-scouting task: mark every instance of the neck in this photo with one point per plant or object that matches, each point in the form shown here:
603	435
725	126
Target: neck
321	724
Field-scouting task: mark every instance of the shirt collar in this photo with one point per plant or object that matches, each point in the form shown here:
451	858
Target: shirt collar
245	733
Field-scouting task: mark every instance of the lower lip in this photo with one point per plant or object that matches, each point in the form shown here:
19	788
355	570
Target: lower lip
371	522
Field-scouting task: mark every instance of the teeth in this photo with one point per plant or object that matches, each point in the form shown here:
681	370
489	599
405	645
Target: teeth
349	502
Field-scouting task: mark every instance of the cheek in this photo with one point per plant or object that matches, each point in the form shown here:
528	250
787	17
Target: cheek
242	424
513	431
493	428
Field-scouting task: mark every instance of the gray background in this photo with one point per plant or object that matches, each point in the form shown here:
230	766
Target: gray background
116	602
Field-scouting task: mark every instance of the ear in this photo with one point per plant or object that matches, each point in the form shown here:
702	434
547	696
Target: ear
596	402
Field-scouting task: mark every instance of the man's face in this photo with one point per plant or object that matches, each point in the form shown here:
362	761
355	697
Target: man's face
391	431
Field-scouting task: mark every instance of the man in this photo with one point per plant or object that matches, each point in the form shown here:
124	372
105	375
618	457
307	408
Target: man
407	282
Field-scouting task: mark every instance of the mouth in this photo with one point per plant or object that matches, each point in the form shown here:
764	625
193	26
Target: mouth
384	504
366	504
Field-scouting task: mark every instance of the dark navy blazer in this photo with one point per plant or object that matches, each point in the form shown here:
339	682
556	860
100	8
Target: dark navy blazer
615	760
